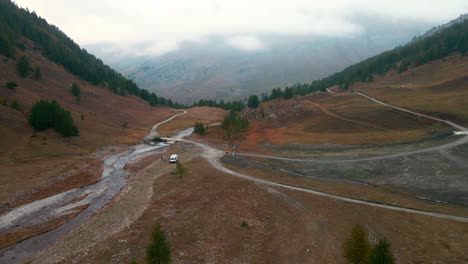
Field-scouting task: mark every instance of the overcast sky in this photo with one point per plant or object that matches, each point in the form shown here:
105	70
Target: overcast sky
163	25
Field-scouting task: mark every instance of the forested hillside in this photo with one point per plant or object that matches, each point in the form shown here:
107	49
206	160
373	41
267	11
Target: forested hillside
451	40
16	23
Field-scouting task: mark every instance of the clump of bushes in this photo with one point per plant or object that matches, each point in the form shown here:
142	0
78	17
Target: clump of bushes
234	123
199	128
358	250
15	105
11	85
45	114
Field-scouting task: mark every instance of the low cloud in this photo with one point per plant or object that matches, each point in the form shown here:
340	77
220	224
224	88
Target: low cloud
247	43
164	25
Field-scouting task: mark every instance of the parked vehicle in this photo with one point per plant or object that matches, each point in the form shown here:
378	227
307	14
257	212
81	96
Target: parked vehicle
173	158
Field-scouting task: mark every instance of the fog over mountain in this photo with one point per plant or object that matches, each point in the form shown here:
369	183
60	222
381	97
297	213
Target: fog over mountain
215	69
190	49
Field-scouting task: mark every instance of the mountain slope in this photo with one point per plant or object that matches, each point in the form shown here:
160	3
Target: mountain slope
215	70
55	45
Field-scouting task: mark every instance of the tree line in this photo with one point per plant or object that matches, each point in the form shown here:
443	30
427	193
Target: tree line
451	40
55	45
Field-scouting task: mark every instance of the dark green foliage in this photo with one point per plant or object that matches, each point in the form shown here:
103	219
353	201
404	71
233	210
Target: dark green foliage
159	252
6	43
16	23
451	40
244	224
356	248
199	128
11	85
15	105
45	114
180	169
75	90
23	67
3	101
288	93
233	106
253	101
125	125
381	253
234	123
37	73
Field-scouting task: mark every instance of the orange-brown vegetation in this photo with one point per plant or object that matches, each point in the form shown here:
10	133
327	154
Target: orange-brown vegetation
204	114
30	159
439	88
202	214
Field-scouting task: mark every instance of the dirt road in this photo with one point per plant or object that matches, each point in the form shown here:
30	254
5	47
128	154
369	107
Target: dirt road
213	156
442	148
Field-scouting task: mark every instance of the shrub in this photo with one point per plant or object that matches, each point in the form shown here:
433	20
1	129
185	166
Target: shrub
22	67
3	101
180	169
15	105
37	73
381	253
356	248
76	91
11	85
45	114
244	224
159	251
199	128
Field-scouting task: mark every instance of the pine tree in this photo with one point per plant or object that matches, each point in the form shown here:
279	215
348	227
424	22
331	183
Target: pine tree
356	248
45	114
37	73
253	101
381	253
22	67
199	128
159	252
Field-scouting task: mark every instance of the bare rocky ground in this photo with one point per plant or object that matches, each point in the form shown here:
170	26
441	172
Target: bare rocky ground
202	213
437	175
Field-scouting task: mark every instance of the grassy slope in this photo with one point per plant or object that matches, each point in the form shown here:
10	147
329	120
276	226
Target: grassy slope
438	88
29	159
347	119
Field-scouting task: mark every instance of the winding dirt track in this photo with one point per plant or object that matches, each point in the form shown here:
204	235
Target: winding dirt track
444	147
213	156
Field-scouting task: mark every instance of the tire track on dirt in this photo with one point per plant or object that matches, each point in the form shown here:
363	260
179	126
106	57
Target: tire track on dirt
213	156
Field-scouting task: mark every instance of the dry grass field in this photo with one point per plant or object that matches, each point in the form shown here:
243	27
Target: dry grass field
30	161
202	213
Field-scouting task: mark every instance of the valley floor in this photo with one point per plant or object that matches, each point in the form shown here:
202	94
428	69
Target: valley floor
211	216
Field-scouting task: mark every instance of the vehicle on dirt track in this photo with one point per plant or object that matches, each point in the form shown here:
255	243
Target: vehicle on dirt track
173	158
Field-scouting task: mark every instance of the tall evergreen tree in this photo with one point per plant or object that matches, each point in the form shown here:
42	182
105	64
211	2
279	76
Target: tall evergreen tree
159	251
381	253
253	101
23	67
356	248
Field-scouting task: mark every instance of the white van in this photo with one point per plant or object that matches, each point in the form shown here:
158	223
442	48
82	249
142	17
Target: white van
173	158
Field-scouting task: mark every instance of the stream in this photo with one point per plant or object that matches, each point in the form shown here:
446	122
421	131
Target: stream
113	179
